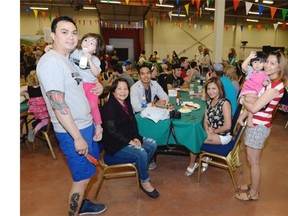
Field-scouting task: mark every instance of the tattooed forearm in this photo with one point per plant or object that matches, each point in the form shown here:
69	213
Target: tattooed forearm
73	205
57	101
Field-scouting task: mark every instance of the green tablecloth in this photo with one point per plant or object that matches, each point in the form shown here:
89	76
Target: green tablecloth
24	106
189	130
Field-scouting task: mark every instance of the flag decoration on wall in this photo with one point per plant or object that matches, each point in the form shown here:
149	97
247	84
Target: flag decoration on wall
187	7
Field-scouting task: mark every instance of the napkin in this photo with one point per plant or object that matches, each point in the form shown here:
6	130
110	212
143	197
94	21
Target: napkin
155	114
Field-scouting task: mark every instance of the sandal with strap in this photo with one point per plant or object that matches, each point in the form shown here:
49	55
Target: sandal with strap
189	171
246	196
244	187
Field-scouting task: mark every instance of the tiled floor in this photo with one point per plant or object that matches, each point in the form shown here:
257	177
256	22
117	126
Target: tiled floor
45	184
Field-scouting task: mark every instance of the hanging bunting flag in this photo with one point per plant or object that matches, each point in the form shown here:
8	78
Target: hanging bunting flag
206	27
84	22
192	1
161	1
197	4
200	12
261	9
187	8
236	4
127	2
284	25
258	26
266	27
195	26
248	6
90	22
249	27
241	28
201	26
50	16
115	27
177	2
190	26
151	21
146	23
144	2
121	26
89	1
273	11
164	16
43	15
79	22
212	28
170	15
226	27
137	25
284	13
27	10
275	26
233	27
208	2
35	13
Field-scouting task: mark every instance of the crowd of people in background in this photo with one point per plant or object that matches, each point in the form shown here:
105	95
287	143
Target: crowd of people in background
149	78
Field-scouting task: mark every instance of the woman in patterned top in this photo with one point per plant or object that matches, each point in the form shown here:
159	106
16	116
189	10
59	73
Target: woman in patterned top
217	121
218	117
276	67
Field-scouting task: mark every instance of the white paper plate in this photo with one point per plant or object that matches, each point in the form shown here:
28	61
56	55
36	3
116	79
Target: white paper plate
184	110
190	103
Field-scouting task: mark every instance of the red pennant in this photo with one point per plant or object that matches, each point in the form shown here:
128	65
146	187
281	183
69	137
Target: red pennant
259	26
273	11
236	4
43	14
226	27
284	25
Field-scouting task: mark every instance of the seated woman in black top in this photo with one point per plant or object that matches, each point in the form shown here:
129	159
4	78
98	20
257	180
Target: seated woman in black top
121	138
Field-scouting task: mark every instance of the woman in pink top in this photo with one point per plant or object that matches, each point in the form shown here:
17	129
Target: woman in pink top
276	67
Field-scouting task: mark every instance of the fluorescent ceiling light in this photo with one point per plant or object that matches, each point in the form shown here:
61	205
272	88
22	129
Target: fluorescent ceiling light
253	12
267	2
178	15
209	9
280	23
89	8
111	2
39	8
256	0
252	20
165	5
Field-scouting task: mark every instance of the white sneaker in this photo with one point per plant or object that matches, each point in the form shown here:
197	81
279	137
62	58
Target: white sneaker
152	166
189	171
205	165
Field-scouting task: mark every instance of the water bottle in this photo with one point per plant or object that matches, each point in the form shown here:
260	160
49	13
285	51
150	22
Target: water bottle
143	102
83	60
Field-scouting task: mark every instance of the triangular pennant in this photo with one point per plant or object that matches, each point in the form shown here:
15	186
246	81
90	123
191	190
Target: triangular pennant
187	8
144	2
127	2
178	11
35	13
258	26
90	22
197	4
27	10
195	26
236	4
200	12
170	15
190	26
275	26
248	6
83	22
50	16
284	13
208	2
284	25
89	1
192	1
151	21
226	27
201	26
266	27
273	11
206	27
164	16
249	27
233	28
241	28
177	1
261	9
43	15
161	1
146	23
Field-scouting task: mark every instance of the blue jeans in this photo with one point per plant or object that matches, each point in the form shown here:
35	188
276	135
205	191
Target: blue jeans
140	156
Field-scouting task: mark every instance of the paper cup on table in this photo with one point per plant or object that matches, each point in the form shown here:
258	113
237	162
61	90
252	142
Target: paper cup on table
191	92
191	86
199	89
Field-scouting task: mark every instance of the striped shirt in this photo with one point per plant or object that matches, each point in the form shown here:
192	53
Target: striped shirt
264	116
